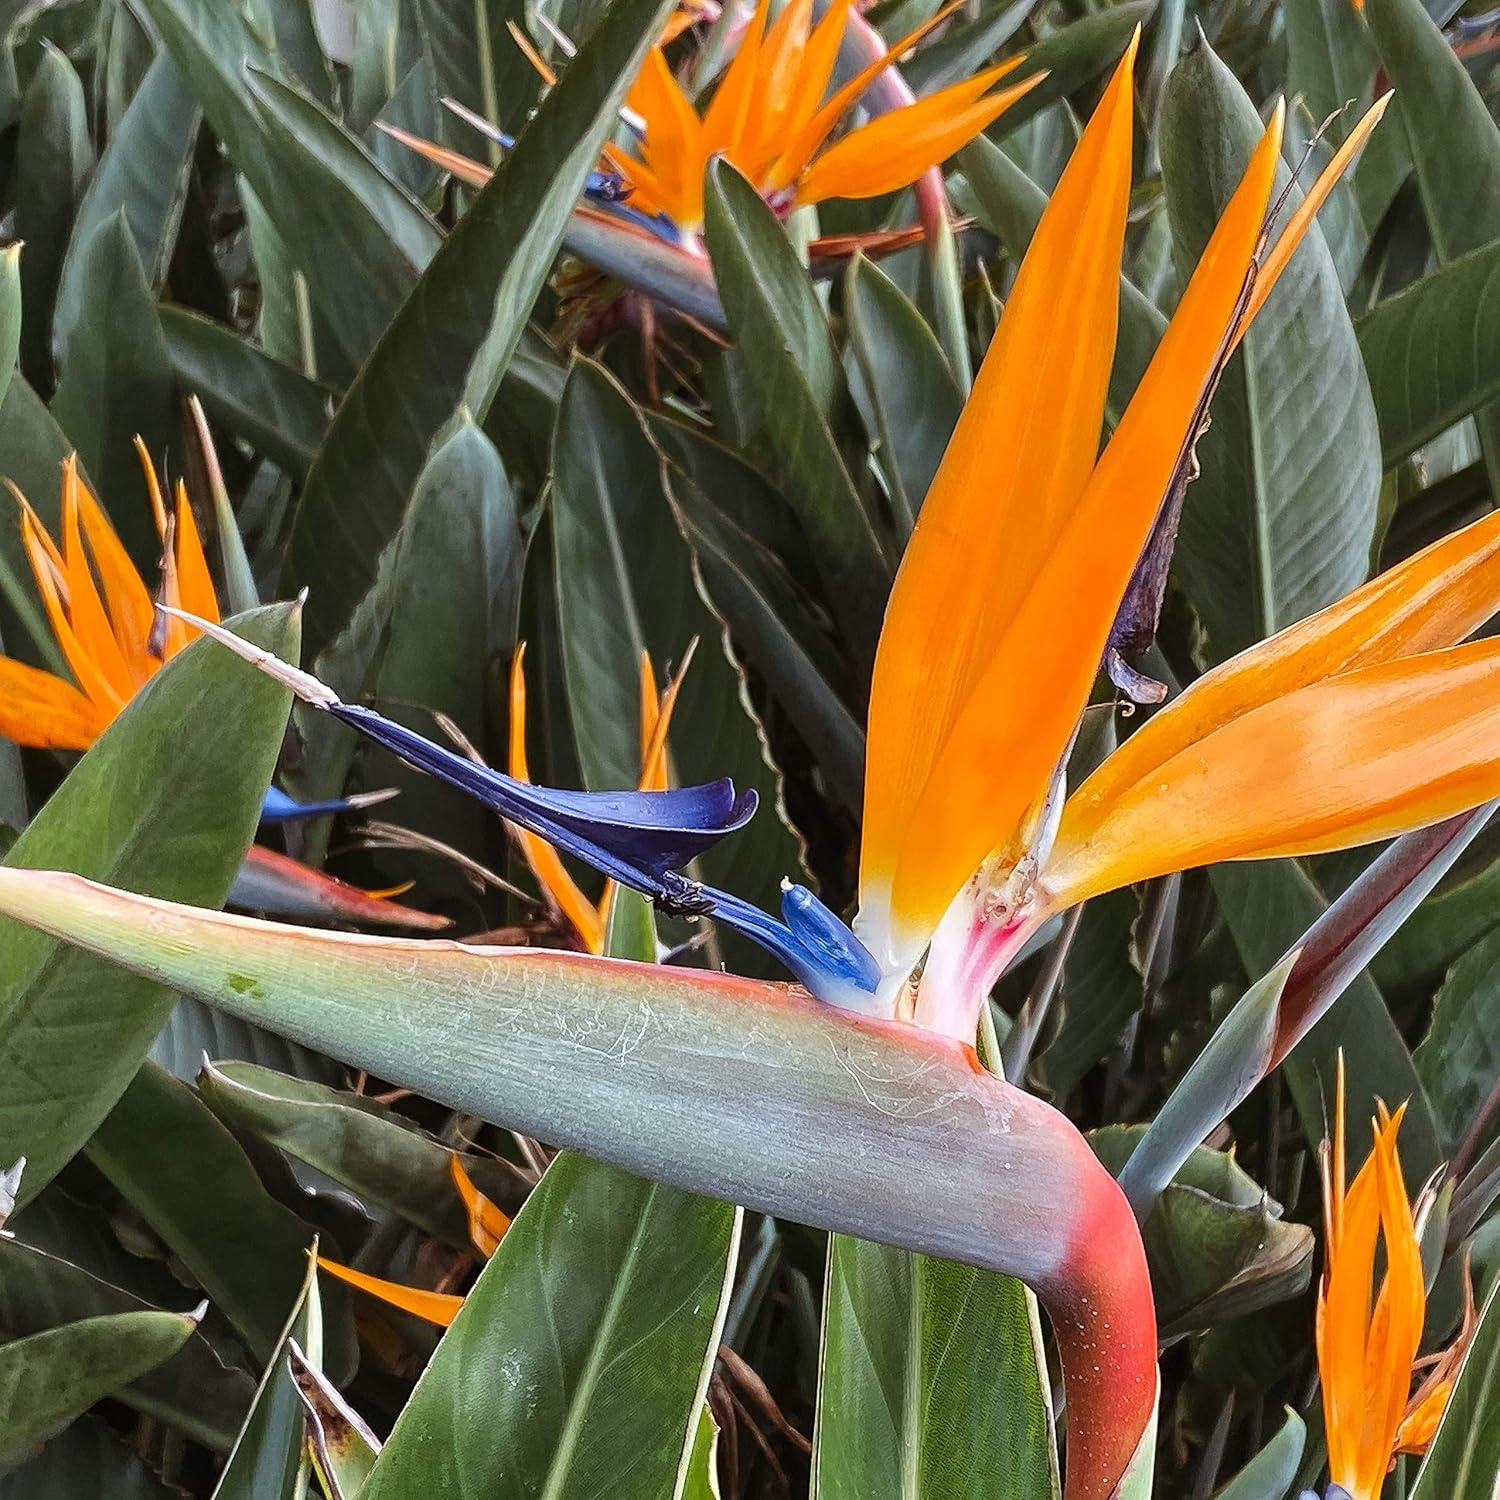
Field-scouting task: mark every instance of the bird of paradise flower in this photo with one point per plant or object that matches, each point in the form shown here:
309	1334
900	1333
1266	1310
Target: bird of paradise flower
112	642
1368	1338
773	116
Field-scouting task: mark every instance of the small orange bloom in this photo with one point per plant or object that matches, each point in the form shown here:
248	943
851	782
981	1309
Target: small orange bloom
1367	1339
101	614
772	116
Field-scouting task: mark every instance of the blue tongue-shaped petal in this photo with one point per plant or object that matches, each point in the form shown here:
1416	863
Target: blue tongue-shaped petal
639	838
278	807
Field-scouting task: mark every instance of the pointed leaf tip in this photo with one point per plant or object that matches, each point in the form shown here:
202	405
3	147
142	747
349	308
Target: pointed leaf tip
302	684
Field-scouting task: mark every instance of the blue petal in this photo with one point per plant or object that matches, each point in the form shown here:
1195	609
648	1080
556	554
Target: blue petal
818	949
658	224
642	839
820	932
638	838
280	808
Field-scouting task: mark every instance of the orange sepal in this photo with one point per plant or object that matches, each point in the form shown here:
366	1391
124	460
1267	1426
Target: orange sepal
728	111
434	1307
193	578
43	711
1431	600
1360	757
779	99
42	555
86	612
806	141
126	596
487	1223
1430	1400
1048	654
986	526
673	148
895	148
1279	255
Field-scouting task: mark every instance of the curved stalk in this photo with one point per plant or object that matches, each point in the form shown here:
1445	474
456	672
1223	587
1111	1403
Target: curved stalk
737	1088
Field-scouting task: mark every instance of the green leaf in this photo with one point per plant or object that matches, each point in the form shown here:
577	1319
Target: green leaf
292	31
383	1158
1430	352
50	1378
130	52
118	383
143	174
269	1460
1459	1059
1440	931
577	1363
771	621
906	389
442	605
1217	1244
626	585
386	43
446	601
374	197
318	185
1329	59
1339	219
478	64
1269	904
1465	1455
963	48
1273	1471
1446	121
166	801
275	408
188	1178
932	1383
82	1271
1072	56
87	1461
53	160
786	355
10	316
454	335
1281	520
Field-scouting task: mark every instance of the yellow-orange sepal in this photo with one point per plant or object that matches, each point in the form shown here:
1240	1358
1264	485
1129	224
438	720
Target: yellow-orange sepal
1361	722
1016	466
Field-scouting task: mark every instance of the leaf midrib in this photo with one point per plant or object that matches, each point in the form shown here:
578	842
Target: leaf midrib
567	1442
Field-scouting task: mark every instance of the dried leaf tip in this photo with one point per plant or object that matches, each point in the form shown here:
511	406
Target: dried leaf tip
302	684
